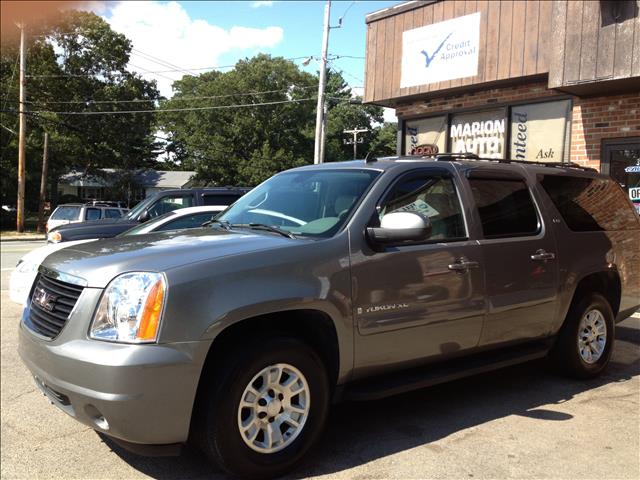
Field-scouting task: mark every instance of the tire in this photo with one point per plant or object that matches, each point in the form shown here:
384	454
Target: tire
220	417
580	351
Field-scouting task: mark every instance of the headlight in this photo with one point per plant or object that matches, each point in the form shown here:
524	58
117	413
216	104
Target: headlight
130	309
26	267
54	237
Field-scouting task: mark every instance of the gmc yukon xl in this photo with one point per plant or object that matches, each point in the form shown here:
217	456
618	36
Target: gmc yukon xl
349	280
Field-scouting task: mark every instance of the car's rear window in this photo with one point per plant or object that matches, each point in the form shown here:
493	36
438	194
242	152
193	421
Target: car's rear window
590	204
66	213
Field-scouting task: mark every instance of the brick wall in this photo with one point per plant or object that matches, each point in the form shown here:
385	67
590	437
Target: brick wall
599	118
592	118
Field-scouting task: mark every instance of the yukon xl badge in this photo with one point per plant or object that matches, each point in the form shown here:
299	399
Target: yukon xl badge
382	308
44	299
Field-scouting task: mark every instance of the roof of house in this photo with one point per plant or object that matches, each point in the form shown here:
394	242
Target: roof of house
143	178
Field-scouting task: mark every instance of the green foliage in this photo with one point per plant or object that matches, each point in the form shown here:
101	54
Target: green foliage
244	146
87	64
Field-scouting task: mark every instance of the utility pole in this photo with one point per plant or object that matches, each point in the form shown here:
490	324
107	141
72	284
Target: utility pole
355	141
43	183
21	134
318	151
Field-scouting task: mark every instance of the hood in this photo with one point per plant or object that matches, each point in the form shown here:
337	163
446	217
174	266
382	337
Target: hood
39	254
99	262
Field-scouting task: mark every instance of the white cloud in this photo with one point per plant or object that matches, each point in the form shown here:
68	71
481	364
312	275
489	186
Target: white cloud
261	3
165	31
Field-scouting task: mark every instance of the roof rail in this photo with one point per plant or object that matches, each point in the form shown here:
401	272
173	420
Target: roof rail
472	156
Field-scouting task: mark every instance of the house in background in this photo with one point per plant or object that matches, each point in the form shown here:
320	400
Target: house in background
113	184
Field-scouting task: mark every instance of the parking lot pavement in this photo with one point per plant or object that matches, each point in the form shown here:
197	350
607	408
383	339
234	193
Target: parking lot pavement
522	422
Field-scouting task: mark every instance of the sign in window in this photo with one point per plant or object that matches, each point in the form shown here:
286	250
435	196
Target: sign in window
538	131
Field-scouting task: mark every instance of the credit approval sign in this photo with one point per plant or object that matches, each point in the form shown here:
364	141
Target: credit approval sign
442	51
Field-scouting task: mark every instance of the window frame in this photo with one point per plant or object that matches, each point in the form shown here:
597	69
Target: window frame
427	171
482	174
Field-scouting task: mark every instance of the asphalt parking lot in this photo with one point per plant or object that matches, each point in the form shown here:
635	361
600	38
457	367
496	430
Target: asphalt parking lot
522	422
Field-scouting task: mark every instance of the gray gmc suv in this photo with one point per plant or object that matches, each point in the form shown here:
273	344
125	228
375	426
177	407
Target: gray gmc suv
349	280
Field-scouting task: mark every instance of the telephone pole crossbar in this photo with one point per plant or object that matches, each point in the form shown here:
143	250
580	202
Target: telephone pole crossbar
355	141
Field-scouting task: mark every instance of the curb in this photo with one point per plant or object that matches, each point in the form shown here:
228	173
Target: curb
22	239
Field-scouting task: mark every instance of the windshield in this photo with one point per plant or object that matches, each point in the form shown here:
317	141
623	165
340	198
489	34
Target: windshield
135	211
311	202
147	226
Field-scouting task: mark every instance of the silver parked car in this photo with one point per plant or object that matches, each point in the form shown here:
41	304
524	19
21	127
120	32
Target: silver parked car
342	280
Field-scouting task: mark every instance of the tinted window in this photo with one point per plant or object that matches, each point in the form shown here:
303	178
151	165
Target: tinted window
188	221
590	204
433	196
112	213
66	213
505	206
92	214
168	204
219	199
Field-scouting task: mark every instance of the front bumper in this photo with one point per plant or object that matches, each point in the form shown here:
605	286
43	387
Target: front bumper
140	394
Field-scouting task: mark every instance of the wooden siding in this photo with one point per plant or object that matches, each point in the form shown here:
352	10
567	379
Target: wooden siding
514	42
590	48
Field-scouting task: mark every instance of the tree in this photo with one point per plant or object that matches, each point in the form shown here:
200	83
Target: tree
385	138
232	143
83	73
243	145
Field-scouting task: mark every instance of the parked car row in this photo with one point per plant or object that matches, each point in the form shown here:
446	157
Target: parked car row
151	207
352	280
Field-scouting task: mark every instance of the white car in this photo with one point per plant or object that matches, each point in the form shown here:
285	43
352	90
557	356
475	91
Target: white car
26	270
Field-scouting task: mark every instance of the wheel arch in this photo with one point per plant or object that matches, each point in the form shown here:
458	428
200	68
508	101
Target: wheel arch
606	283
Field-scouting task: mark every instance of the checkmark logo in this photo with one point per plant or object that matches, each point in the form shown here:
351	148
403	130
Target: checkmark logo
429	58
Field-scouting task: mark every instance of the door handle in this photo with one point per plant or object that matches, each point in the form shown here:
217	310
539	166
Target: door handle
462	265
543	255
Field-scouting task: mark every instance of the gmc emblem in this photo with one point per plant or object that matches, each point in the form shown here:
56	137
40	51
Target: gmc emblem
44	299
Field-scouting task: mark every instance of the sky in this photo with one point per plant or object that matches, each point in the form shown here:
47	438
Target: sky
197	35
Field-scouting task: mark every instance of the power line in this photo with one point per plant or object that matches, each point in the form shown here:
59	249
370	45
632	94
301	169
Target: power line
186	109
189	98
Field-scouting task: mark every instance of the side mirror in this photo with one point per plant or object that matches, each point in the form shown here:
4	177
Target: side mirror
144	216
400	227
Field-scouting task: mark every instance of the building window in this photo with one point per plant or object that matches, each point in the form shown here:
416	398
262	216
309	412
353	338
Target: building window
538	131
426	136
482	133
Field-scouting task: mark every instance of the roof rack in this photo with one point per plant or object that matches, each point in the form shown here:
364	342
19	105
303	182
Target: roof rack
472	156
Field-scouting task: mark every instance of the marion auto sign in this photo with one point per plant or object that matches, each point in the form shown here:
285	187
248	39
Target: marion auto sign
441	51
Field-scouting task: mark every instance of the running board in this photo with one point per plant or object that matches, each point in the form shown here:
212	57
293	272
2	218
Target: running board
446	371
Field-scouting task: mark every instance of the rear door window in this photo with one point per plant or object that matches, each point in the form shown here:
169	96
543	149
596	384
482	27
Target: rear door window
590	204
505	206
112	213
92	214
66	213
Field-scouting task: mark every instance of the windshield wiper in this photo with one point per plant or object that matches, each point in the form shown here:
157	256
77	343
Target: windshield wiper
223	223
264	226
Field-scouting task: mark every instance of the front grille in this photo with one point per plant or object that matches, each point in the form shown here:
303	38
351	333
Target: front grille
51	304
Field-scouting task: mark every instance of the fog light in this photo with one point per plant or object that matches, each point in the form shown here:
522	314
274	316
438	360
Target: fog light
96	417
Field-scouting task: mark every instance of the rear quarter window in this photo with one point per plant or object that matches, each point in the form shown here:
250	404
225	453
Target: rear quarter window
590	204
